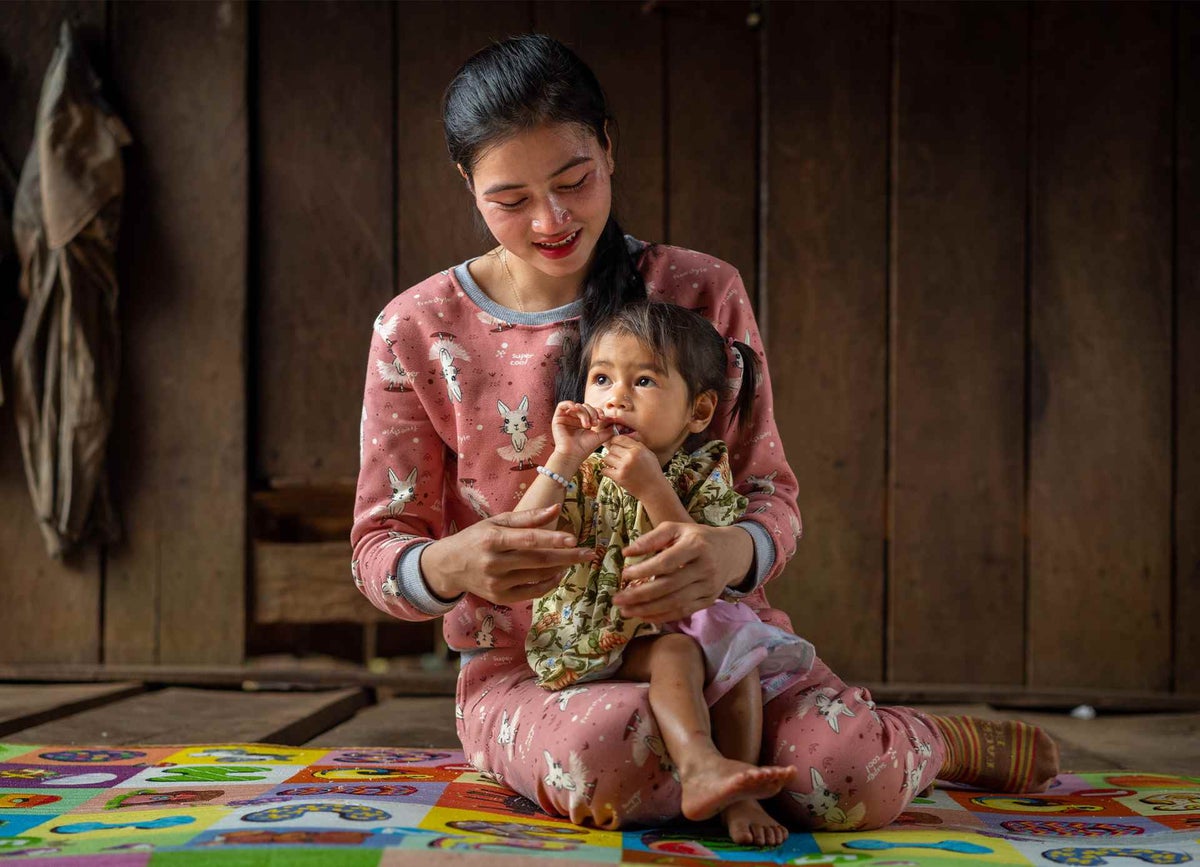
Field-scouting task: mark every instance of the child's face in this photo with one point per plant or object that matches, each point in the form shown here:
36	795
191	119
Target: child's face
627	385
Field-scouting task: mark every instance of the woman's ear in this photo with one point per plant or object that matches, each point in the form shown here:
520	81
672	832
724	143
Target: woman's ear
608	150
464	174
703	410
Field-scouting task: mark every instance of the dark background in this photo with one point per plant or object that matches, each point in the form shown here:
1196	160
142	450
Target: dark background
971	231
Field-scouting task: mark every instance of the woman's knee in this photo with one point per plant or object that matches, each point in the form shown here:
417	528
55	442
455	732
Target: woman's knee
842	782
591	752
817	801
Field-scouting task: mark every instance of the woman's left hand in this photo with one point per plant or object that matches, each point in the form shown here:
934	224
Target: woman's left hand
691	566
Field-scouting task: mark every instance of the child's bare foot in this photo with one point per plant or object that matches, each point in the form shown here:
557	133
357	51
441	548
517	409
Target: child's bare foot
750	825
1002	756
712	787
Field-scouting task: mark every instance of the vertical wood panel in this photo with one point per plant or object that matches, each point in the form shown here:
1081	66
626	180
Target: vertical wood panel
436	223
622	41
175	590
826	313
40	597
712	142
1100	441
956	589
325	227
1187	341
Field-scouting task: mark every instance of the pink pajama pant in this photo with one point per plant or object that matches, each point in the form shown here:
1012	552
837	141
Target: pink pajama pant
592	752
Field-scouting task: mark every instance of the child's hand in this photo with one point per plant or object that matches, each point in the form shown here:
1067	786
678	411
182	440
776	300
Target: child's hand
634	467
578	429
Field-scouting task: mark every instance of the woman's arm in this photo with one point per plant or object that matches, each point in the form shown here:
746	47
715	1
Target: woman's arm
397	509
397	563
760	469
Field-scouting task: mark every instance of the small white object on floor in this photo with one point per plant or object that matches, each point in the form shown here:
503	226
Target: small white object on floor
1084	711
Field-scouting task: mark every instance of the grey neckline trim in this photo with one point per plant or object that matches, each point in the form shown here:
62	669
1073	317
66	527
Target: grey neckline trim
516	317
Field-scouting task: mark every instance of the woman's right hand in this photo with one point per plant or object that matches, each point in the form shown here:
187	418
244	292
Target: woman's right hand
504	559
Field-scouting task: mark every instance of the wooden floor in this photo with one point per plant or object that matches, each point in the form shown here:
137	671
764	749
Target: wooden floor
133	713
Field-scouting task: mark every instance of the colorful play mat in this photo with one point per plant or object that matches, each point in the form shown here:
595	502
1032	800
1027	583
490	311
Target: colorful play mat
257	804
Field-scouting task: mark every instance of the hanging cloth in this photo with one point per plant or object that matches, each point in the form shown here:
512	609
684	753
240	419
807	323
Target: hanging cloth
65	362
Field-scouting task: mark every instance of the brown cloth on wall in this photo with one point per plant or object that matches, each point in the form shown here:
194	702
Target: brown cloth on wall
65	362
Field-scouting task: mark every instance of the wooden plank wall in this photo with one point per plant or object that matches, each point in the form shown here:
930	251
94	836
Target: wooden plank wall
1187	351
969	230
1100	341
956	367
824	305
174	588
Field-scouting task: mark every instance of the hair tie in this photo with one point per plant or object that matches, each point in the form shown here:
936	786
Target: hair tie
739	360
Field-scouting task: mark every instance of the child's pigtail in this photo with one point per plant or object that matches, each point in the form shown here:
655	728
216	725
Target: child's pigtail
751	373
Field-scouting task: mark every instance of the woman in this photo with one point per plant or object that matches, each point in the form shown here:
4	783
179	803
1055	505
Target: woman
461	385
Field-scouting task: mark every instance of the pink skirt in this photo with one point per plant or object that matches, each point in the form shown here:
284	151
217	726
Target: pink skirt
735	642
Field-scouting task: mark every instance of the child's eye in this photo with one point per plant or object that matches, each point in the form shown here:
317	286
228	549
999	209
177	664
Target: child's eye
645	381
600	379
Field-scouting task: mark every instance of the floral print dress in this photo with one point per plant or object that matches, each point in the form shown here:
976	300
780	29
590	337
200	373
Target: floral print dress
578	634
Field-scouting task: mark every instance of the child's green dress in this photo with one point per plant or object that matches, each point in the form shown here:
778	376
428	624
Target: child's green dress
577	633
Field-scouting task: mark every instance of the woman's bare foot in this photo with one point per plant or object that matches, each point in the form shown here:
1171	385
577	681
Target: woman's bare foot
750	825
714	785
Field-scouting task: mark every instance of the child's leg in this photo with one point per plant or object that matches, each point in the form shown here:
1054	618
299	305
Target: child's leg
737	733
674	666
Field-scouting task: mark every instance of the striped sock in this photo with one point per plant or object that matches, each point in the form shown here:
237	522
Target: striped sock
1001	756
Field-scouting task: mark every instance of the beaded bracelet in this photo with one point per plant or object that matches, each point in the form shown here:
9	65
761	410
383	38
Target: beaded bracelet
553	476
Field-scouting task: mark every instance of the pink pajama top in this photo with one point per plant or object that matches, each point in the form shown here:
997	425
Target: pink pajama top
456	414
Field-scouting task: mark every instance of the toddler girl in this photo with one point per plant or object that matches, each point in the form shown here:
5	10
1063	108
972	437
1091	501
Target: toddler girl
653	377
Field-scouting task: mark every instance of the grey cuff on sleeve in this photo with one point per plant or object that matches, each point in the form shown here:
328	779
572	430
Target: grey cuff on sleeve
413	588
764	558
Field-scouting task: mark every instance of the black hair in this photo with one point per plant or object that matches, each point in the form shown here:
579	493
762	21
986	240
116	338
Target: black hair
683	338
520	84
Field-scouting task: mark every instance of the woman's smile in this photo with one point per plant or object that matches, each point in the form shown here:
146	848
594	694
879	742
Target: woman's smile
561	248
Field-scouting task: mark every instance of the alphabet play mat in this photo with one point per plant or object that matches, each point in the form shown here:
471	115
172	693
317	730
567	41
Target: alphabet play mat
252	804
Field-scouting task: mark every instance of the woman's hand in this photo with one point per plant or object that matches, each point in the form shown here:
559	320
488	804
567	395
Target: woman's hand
503	559
635	468
691	566
578	430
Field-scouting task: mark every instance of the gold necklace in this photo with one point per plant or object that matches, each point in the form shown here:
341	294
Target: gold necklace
511	282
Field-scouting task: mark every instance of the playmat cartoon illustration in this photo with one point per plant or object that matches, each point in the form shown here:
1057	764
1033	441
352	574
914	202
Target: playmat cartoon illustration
250	804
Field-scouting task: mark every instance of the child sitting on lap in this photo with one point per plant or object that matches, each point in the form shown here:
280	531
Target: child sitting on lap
655	374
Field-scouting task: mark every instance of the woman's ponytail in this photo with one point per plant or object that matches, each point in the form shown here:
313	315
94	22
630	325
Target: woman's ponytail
612	282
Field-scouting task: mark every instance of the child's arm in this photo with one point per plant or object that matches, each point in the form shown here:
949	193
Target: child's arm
662	504
668	509
544	491
578	430
635	468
